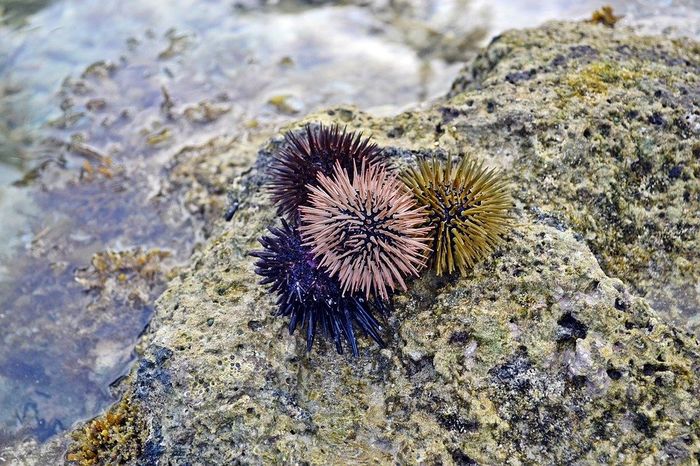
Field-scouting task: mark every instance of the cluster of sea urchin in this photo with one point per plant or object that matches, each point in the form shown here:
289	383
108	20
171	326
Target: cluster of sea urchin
354	231
362	234
467	205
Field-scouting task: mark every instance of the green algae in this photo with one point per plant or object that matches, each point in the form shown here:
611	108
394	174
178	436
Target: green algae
158	137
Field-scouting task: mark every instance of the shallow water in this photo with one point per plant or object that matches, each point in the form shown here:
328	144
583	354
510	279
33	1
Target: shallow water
102	105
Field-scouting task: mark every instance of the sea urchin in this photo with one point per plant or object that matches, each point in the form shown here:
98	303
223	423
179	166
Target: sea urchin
295	168
308	295
366	229
468	205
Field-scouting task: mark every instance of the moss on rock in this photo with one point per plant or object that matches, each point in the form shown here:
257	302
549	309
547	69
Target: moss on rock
598	128
532	357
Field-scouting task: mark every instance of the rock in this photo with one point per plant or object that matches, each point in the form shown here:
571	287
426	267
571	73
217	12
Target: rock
599	131
476	368
547	353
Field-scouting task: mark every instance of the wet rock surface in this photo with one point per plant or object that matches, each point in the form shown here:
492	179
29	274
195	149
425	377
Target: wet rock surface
549	352
536	356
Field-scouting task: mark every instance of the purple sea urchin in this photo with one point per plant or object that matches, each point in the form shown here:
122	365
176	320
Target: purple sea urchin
309	296
295	168
366	230
468	205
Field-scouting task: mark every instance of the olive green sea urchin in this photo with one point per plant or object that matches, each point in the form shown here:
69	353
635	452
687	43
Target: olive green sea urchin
468	206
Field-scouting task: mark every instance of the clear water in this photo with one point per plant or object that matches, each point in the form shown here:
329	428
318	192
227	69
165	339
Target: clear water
97	102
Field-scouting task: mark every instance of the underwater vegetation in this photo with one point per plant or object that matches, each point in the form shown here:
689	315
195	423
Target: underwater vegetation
113	438
468	206
368	232
354	231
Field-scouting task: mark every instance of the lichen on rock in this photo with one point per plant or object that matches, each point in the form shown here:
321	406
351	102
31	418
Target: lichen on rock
530	357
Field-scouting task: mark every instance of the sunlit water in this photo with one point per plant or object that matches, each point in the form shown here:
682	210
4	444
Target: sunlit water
97	102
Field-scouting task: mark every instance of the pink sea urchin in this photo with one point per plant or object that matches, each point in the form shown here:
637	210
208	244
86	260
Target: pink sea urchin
365	228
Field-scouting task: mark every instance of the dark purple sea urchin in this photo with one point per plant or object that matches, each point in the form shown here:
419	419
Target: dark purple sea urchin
309	296
295	168
365	229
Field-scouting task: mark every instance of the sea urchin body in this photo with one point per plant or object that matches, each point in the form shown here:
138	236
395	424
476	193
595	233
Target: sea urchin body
308	295
366	230
468	205
296	166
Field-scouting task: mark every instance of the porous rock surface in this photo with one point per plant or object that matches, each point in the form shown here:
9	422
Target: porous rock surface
548	353
537	356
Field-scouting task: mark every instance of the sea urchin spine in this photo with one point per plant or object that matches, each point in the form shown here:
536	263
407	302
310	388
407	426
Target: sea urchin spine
295	168
309	296
468	205
366	229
